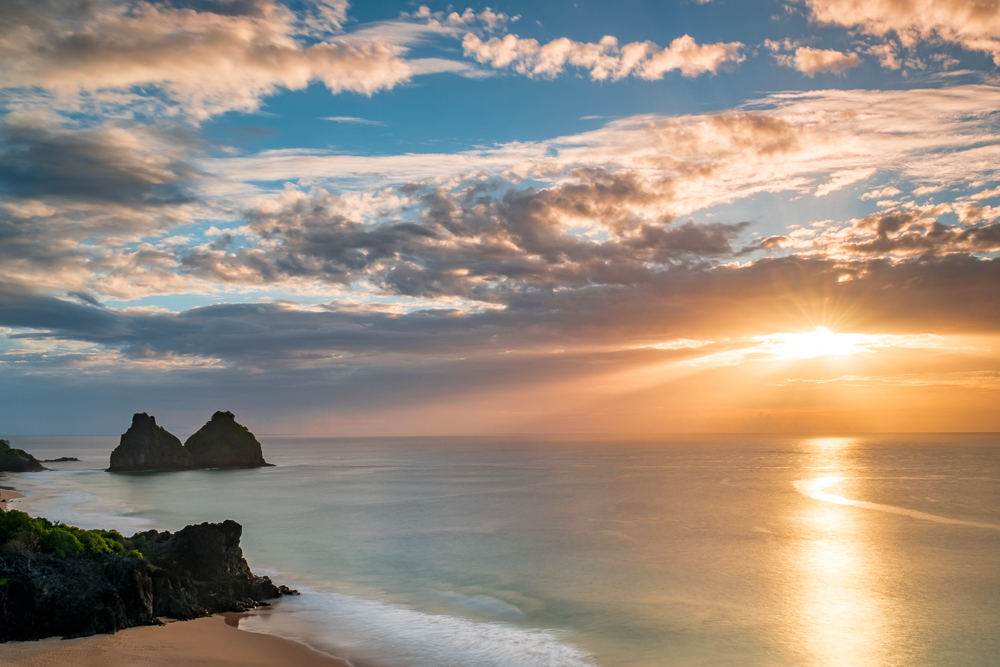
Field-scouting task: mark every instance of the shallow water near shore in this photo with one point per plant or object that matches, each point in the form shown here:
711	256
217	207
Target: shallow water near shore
616	552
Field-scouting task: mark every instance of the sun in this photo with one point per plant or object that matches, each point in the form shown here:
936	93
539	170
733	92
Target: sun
819	343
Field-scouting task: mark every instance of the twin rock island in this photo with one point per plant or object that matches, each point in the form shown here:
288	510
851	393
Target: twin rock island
221	443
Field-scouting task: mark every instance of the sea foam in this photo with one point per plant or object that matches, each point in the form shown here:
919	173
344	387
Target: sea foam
366	630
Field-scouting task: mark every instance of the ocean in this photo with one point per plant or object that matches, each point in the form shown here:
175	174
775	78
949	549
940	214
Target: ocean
670	551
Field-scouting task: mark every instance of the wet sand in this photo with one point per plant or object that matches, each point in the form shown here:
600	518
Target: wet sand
6	495
214	641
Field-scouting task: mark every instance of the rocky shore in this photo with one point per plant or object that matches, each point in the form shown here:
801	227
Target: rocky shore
199	570
17	460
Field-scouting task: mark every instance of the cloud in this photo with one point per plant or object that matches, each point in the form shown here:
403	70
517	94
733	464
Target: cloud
973	25
129	165
213	58
842	179
888	191
436	270
469	243
605	60
778	143
753	299
812	61
886	54
353	120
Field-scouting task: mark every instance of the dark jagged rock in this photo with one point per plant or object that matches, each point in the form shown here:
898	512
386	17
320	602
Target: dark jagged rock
224	443
61	459
197	571
17	460
146	446
45	595
202	571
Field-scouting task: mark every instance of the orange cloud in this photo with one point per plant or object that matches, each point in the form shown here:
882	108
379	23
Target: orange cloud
972	25
812	61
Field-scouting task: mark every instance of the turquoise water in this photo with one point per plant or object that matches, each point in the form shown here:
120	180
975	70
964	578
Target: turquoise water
616	552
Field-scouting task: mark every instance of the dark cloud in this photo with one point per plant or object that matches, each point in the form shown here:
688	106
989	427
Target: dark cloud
954	293
911	233
476	244
39	160
21	307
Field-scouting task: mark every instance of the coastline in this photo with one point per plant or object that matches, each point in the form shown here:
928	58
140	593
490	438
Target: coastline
7	495
214	640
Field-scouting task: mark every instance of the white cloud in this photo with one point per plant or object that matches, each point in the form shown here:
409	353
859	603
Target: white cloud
353	120
605	59
841	179
787	142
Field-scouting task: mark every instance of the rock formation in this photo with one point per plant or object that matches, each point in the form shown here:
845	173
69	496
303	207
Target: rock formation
197	571
202	571
146	446
17	460
223	443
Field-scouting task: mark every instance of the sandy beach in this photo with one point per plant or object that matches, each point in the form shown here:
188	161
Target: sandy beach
212	641
6	495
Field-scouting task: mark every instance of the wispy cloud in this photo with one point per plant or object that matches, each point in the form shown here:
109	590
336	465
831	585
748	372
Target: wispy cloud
353	120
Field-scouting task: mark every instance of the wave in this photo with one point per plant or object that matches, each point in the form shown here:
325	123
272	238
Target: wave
369	631
366	631
813	488
53	495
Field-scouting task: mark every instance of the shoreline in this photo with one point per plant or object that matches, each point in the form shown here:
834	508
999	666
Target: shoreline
6	495
213	640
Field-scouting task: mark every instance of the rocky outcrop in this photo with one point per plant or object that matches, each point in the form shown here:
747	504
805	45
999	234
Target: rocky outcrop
45	595
202	571
197	571
146	446
224	443
17	460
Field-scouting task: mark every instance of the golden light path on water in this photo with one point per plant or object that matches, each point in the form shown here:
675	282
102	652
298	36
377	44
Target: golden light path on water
814	489
842	618
846	610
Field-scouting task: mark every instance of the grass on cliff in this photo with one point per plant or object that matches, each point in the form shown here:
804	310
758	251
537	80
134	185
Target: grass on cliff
22	534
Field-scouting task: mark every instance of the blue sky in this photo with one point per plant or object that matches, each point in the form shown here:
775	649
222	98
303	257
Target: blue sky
404	218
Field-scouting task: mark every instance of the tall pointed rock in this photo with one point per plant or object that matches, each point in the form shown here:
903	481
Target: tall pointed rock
224	443
146	446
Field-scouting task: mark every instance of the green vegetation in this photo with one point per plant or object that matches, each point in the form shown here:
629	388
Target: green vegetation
22	534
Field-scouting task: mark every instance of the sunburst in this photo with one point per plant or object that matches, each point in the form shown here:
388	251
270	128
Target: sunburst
819	343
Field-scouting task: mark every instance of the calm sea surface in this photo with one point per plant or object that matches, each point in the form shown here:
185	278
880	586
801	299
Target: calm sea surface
617	552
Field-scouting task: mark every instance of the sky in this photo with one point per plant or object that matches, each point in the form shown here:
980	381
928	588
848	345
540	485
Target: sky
389	218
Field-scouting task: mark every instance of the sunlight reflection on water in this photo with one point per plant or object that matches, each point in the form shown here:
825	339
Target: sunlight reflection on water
844	620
